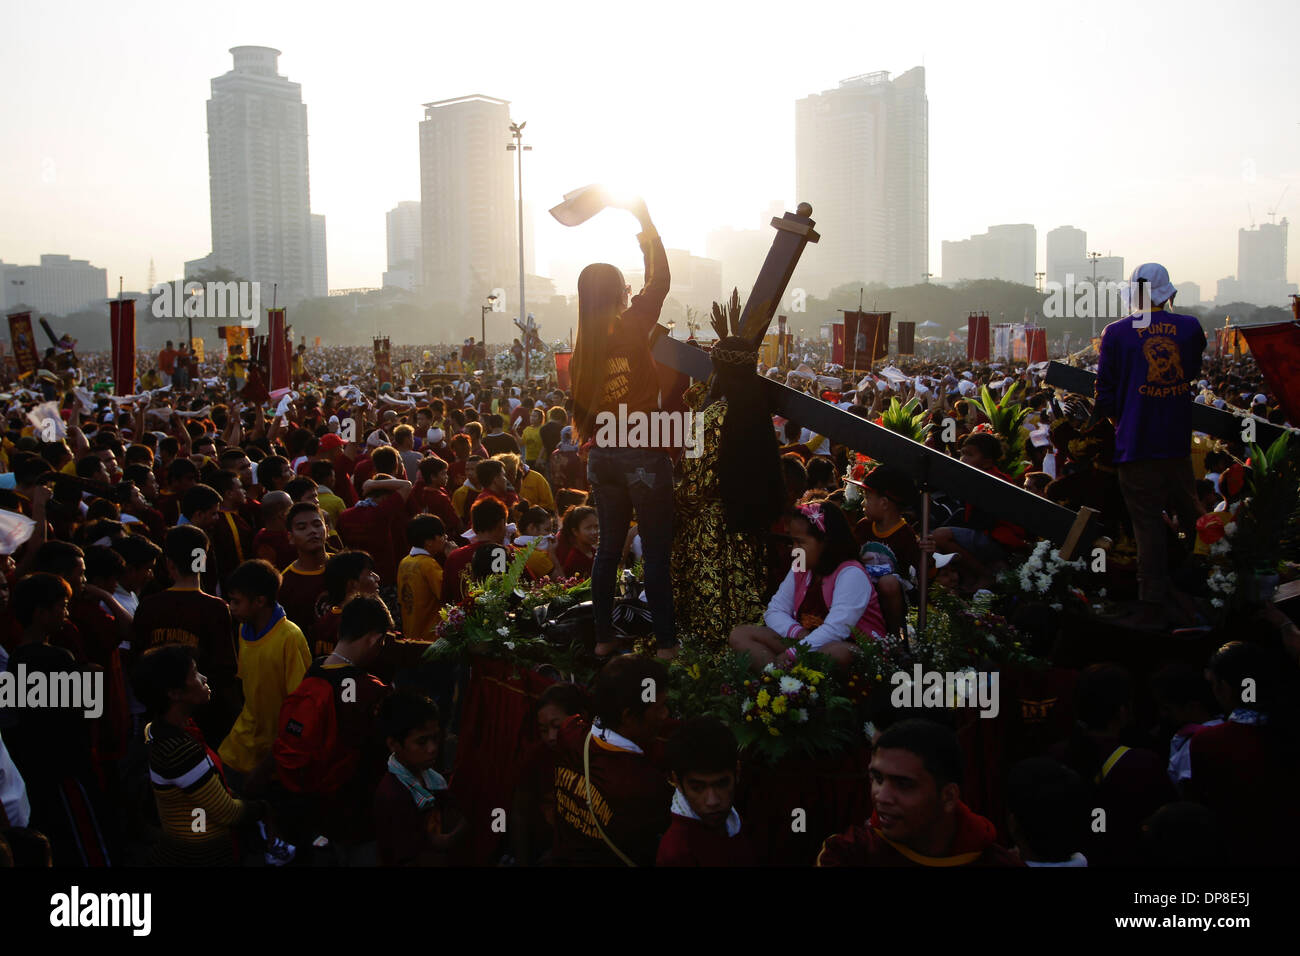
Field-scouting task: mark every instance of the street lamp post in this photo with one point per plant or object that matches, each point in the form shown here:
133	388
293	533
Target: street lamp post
518	147
483	325
1096	301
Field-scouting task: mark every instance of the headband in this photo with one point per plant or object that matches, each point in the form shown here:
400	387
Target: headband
814	516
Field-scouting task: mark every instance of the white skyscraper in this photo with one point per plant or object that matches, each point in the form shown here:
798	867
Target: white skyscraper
467	205
1261	267
1067	247
862	161
257	171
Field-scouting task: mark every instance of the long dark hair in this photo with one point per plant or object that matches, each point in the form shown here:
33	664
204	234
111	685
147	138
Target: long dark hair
601	288
749	463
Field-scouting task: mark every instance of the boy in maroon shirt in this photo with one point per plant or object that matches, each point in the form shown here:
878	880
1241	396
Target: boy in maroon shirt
705	828
302	584
488	519
348	574
416	820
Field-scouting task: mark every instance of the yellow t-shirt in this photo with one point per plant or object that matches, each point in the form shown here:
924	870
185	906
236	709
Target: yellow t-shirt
333	506
458	497
536	491
419	589
532	444
270	667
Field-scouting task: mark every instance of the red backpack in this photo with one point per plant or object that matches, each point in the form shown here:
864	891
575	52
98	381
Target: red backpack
308	755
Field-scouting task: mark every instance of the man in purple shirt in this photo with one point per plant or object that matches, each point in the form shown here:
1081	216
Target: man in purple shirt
1146	362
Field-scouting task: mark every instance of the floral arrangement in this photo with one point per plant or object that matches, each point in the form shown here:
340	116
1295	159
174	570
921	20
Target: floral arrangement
491	620
794	707
958	634
1047	577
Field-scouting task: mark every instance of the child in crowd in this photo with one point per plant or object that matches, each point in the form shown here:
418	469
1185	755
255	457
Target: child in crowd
535	525
705	828
579	537
419	576
187	775
532	826
885	491
347	575
824	597
416	820
273	657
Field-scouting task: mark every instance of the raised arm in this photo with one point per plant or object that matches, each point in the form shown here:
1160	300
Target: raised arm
646	305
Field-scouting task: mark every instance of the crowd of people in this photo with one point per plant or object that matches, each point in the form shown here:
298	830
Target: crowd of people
237	574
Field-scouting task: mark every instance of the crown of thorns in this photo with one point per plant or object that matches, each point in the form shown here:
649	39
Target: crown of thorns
741	357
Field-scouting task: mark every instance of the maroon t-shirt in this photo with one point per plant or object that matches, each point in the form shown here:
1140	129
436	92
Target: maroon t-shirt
370	527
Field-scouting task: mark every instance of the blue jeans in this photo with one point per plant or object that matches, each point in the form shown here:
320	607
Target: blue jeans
624	479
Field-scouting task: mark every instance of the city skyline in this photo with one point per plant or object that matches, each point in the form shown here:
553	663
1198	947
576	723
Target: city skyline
1001	150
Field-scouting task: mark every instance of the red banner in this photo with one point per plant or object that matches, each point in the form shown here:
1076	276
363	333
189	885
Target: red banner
866	338
977	340
24	341
121	326
837	344
906	338
1036	340
280	346
1276	348
562	369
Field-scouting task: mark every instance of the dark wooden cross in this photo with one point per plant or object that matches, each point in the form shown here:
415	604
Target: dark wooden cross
932	470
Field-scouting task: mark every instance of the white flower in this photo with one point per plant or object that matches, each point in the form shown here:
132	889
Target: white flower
481	599
1230	528
802	715
769	669
509	645
746	705
790	685
1044	581
1101	593
868	728
1055	607
503	631
1216	602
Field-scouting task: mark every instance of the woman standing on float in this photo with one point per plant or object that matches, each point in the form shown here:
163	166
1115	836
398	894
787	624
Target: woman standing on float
612	366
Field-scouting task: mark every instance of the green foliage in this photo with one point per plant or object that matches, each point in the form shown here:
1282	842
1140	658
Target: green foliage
1271	486
1006	417
906	419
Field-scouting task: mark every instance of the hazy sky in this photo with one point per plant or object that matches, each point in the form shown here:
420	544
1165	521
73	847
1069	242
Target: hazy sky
1151	128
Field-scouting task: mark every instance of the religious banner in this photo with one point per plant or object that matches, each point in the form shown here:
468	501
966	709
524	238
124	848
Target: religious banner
1036	344
977	339
196	346
383	361
866	338
562	369
1019	345
1230	340
407	367
235	335
906	338
278	344
318	341
837	343
1002	341
121	323
1276	348
24	342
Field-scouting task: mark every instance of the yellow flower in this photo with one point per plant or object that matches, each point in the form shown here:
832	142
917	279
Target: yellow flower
774	732
763	698
780	705
694	671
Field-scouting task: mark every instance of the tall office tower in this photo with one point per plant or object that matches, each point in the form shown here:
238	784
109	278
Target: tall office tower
1261	267
319	261
257	172
862	160
467	206
402	224
1066	248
